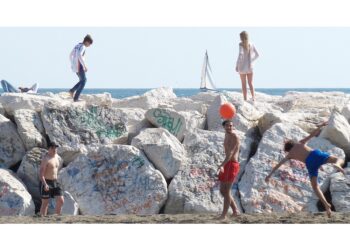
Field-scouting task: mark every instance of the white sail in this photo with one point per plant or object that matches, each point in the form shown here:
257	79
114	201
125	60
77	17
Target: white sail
206	78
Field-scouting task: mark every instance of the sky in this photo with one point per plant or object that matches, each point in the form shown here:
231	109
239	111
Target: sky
147	57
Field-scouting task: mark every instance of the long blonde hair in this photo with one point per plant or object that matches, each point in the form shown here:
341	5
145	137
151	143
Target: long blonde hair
245	40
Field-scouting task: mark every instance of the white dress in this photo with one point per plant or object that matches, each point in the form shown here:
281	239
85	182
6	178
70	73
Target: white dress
246	59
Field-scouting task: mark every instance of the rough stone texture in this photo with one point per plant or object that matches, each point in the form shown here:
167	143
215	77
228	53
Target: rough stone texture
345	111
114	179
169	119
194	120
70	206
29	169
30	128
186	104
148	100
11	145
340	191
338	131
2	110
14	197
195	188
162	149
289	190
136	121
75	127
204	97
14	101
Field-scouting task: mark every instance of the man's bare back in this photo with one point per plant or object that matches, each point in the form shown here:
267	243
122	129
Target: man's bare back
299	152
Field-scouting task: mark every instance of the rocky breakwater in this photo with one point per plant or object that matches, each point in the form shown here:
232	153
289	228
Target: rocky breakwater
158	153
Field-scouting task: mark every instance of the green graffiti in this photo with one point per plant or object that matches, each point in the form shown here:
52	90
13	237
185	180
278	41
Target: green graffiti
165	120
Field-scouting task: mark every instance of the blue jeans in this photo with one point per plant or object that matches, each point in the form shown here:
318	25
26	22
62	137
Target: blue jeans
8	87
78	88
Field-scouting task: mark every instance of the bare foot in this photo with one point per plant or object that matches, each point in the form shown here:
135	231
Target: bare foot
328	210
236	213
222	217
71	94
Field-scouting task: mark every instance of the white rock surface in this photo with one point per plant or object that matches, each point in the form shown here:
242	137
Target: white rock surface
73	128
30	128
289	190
11	146
162	149
168	119
338	131
148	100
14	197
2	110
14	101
340	191
114	179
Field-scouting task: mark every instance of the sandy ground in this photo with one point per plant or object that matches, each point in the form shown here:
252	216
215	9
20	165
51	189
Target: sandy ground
300	218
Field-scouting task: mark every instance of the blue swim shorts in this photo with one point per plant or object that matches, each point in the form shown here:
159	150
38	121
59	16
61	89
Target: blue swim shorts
315	160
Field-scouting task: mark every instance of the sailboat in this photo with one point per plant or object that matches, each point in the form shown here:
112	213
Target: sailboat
206	78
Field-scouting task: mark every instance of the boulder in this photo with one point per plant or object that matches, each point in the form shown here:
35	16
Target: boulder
345	111
340	191
14	101
162	149
150	99
184	104
169	119
204	97
75	127
114	179
289	189
14	197
11	145
2	110
195	188
30	128
194	120
338	131
70	206
136	121
29	170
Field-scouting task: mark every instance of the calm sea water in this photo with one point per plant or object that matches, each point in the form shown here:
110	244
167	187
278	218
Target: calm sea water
121	93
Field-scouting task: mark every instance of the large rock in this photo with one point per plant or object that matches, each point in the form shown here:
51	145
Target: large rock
162	149
340	191
11	145
14	101
148	100
345	111
195	188
70	206
2	110
29	169
169	119
103	99
114	179
204	97
75	127
14	197
194	120
289	190
338	131
136	121
30	128
185	104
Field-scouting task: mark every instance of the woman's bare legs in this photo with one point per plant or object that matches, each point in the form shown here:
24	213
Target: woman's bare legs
250	83
244	85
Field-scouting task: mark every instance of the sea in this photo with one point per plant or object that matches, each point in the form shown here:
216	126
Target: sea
181	92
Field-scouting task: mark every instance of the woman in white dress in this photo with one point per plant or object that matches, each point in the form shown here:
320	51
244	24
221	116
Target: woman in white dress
246	57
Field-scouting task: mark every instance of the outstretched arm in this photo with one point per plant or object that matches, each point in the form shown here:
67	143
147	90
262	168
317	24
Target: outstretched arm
314	133
284	160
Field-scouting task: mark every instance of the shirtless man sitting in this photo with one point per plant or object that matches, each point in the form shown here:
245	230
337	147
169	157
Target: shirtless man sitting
313	160
49	187
229	168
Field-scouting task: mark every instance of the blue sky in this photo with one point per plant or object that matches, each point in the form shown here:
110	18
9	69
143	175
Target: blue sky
153	57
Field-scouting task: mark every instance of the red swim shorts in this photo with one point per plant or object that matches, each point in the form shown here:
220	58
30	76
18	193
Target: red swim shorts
231	170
